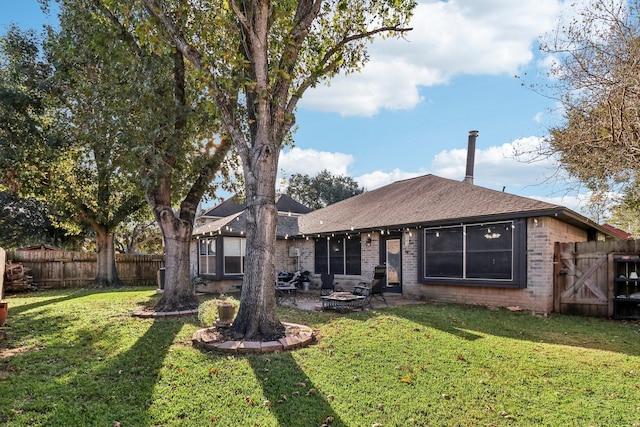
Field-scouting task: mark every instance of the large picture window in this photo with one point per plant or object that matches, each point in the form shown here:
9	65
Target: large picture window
477	254
207	256
338	255
234	249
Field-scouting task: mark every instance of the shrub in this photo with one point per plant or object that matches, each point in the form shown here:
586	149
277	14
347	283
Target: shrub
197	282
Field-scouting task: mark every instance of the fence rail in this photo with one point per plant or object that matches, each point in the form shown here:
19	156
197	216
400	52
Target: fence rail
63	269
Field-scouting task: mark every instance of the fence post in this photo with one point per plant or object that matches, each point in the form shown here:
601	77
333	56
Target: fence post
3	262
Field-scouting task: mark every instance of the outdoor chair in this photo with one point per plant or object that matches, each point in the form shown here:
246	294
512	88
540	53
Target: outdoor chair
375	289
328	286
285	290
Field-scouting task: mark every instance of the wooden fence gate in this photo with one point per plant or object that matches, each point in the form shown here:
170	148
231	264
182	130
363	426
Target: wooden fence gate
583	276
582	281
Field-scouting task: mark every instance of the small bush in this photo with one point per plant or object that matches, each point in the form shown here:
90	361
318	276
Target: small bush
208	310
197	282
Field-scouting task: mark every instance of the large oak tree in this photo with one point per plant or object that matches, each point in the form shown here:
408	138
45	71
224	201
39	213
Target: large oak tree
258	58
52	149
172	141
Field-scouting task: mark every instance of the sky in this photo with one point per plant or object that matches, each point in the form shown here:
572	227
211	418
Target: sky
466	65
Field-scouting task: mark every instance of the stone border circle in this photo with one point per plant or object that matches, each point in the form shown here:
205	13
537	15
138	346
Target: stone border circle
211	339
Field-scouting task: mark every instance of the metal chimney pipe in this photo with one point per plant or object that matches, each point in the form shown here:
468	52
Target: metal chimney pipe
471	156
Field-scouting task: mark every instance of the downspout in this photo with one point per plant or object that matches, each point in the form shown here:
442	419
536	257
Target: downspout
471	155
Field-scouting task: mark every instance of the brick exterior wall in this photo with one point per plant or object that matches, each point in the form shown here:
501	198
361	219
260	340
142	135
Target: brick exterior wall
307	261
542	233
537	297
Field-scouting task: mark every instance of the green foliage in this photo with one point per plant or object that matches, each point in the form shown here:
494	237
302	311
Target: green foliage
63	140
624	211
595	79
26	144
208	310
322	190
257	59
27	221
77	357
139	233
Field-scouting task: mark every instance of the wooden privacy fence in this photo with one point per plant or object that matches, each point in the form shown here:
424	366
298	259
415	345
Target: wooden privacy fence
584	275
63	269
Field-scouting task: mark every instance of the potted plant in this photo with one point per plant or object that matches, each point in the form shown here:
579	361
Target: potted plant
226	311
218	311
4	310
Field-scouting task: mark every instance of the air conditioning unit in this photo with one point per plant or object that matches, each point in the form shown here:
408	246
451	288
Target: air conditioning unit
294	252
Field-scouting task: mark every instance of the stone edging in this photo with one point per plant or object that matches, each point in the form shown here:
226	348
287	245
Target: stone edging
209	339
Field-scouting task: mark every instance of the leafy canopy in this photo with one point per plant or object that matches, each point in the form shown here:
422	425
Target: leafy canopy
597	76
322	190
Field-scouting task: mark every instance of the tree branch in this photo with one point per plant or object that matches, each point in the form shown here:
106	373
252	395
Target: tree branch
332	65
195	58
206	175
124	33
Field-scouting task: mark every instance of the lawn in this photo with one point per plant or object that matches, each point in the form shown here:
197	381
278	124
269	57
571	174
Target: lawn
77	358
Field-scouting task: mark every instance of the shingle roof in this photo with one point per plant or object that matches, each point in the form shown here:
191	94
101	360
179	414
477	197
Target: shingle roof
231	206
236	221
424	200
236	225
225	208
618	232
285	203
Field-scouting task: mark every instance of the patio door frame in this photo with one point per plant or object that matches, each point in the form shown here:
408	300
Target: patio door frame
384	238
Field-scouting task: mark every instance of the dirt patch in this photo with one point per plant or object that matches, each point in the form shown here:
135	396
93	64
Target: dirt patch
9	352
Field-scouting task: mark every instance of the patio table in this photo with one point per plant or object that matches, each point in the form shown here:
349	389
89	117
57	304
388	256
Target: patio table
342	300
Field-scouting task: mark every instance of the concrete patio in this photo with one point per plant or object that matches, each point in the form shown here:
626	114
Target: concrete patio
310	300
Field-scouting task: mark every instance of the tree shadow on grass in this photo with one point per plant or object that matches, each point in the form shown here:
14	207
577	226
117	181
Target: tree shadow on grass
470	323
84	373
473	322
68	295
91	390
293	398
310	318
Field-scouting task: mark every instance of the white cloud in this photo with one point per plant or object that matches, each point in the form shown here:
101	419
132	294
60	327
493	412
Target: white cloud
538	117
575	202
375	179
310	162
366	93
448	38
513	165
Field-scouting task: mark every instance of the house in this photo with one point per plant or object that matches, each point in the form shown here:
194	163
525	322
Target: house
618	232
448	240
440	239
217	254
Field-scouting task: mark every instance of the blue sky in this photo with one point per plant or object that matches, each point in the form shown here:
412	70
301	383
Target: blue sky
410	110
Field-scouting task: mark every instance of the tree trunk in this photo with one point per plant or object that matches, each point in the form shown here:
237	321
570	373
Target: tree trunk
178	293
257	317
107	275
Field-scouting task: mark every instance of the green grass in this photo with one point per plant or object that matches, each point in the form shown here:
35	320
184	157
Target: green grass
77	358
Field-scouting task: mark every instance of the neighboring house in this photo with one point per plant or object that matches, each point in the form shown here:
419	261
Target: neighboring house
217	254
618	232
440	239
